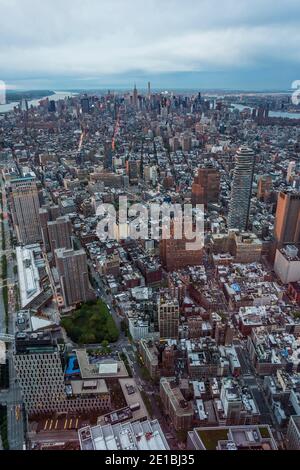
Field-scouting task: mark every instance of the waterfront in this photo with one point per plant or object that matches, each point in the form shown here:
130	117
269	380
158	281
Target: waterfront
57	95
282	114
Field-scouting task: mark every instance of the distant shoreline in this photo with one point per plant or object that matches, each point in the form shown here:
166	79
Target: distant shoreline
54	95
13	96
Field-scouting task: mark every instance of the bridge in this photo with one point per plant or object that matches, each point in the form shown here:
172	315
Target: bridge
7	338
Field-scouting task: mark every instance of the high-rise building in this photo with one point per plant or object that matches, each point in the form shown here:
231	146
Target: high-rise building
241	190
46	214
40	371
44	218
60	232
135	97
85	105
52	106
287	219
107	155
168	316
206	186
293	433
290	171
133	167
174	253
73	275
186	142
25	210
265	186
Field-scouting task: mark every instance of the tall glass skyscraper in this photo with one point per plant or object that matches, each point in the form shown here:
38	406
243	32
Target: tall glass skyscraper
241	189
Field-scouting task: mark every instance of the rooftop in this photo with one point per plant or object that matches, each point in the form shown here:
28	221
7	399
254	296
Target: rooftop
29	278
144	435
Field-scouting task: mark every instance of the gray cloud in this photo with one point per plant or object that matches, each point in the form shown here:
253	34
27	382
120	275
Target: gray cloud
86	38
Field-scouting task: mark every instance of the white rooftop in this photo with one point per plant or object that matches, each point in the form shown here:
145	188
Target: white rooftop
108	368
29	281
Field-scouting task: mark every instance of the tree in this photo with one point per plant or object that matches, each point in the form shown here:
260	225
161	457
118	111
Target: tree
91	323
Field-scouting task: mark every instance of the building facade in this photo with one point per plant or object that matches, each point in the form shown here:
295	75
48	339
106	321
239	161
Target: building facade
40	372
168	316
60	232
73	276
206	186
241	189
25	210
178	409
287	219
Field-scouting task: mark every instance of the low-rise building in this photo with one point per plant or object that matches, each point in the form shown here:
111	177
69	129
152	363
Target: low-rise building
252	437
145	435
287	264
176	406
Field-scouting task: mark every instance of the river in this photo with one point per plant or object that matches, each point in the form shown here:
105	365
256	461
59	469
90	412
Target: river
282	114
58	95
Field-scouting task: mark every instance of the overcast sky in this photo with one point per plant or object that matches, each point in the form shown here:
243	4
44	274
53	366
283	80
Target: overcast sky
177	43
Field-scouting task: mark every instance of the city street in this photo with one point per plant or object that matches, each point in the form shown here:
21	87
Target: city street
11	398
101	292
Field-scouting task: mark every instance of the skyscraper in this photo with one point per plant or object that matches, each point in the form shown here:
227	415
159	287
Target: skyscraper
287	219
241	189
60	232
107	155
25	210
135	96
73	275
85	105
46	214
44	218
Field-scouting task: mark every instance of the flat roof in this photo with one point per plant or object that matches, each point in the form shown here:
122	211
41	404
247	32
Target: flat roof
140	435
103	369
132	396
28	274
86	387
108	368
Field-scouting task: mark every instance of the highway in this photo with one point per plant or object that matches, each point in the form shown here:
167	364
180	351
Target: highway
2	309
12	397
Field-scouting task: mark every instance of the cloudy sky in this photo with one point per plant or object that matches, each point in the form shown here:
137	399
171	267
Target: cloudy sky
245	44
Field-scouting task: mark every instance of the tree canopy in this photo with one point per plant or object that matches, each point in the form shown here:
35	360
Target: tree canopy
91	323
